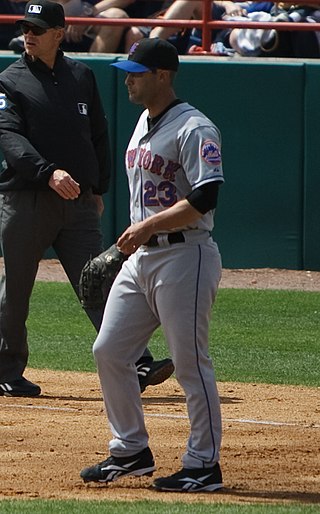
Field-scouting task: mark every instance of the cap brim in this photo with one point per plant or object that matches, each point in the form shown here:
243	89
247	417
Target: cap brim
130	66
34	21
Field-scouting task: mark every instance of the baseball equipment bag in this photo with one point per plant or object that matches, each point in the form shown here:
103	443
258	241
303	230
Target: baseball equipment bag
97	277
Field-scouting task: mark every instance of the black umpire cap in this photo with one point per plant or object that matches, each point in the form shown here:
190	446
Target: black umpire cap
44	13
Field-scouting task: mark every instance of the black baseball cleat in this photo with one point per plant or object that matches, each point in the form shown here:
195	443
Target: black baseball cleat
19	387
154	373
191	480
113	468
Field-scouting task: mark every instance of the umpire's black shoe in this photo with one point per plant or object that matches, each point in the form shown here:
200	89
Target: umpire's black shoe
154	373
19	387
191	480
113	468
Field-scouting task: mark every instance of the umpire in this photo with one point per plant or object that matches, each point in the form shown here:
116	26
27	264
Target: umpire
54	137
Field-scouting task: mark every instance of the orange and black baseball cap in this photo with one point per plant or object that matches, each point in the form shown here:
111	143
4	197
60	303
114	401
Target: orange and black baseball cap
150	54
43	13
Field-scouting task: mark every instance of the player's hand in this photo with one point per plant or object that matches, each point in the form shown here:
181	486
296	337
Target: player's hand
63	184
133	237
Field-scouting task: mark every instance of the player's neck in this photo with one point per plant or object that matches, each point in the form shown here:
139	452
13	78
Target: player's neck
160	104
153	121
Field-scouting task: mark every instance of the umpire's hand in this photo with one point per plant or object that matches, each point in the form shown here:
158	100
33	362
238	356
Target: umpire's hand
63	184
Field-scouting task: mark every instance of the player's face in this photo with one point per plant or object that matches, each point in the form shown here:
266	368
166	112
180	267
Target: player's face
143	88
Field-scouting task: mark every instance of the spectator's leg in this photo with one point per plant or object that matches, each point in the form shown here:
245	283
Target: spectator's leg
133	35
108	37
180	9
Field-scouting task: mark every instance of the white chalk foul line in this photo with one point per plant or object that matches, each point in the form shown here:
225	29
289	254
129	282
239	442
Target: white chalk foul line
237	420
175	416
275	423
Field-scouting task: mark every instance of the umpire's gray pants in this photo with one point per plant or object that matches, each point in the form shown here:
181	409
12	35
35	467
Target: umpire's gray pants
30	223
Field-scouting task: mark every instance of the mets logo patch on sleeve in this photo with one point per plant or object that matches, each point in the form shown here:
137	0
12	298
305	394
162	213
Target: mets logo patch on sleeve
210	152
3	101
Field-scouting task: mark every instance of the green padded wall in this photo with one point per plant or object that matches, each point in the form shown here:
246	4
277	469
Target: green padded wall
6	59
259	213
268	113
312	170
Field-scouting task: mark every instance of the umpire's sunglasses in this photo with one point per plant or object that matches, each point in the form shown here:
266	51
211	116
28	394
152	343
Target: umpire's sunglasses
36	31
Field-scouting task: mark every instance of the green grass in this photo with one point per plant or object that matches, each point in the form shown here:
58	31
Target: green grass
146	507
255	335
59	332
267	336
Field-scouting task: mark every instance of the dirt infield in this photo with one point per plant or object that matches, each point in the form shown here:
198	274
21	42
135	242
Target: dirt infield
270	446
271	434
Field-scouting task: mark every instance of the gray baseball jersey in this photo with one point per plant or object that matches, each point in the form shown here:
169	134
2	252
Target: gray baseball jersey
181	153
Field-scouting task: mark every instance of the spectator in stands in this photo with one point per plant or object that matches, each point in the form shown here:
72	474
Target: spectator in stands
119	38
302	44
93	38
110	38
192	9
78	38
100	38
8	31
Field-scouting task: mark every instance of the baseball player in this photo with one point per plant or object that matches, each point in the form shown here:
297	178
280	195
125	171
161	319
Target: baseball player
174	169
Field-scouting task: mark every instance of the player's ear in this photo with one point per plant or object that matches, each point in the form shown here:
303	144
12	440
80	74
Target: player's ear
164	75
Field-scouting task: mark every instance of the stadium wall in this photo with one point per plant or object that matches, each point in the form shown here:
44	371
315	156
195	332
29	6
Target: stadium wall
269	116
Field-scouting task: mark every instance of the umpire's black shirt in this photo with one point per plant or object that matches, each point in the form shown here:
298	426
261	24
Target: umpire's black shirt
51	119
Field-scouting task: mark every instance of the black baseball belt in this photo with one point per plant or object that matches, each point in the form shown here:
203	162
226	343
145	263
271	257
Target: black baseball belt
172	238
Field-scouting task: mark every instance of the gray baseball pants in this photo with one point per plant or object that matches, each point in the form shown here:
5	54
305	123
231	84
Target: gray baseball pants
174	287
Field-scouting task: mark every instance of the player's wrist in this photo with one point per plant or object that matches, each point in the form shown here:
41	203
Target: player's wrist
150	226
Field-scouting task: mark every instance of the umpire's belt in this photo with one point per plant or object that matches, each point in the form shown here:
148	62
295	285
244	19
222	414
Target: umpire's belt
164	239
